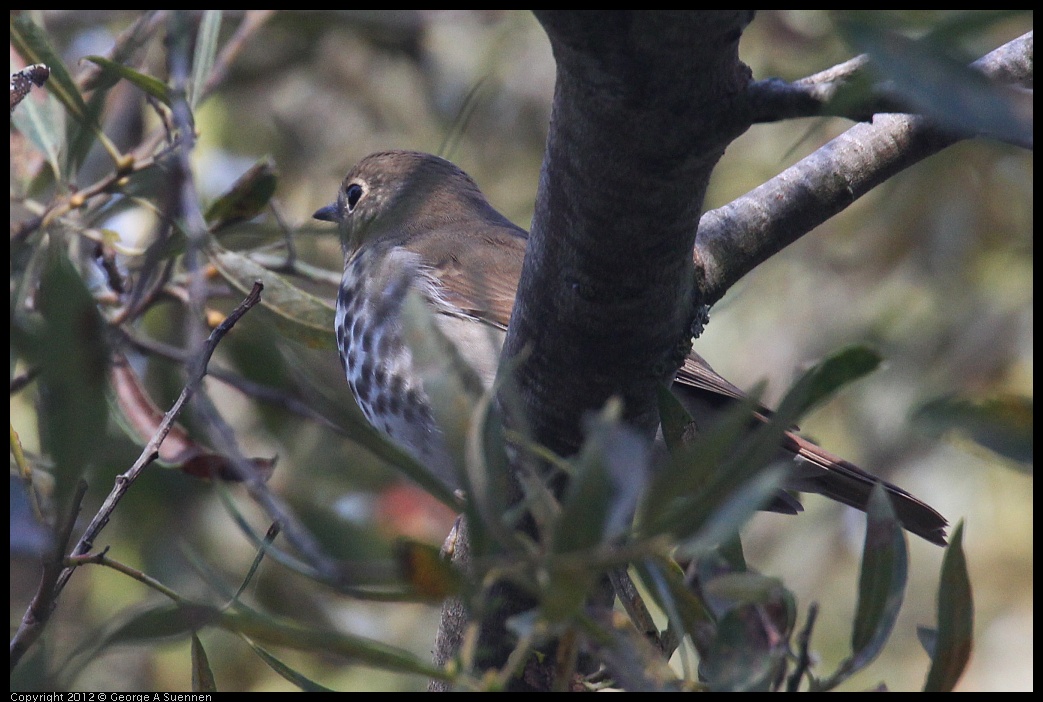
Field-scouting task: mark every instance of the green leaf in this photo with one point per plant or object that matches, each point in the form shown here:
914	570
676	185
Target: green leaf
43	122
295	677
725	510
206	50
487	476
452	386
584	509
687	613
32	43
160	622
247	198
610	474
152	86
955	637
743	588
673	417
356	648
72	351
826	377
881	584
746	654
719	478
607	478
166	620
202	675
298	314
636	664
695	463
1002	424
928	639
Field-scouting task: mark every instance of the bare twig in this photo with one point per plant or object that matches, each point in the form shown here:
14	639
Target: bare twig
101	558
47	596
803	655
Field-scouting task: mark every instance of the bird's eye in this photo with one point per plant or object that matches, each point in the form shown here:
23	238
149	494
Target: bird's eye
353	194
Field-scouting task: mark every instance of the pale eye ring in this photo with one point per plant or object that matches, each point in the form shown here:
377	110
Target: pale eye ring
352	195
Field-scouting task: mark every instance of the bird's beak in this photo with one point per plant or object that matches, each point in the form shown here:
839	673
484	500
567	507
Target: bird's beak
327	213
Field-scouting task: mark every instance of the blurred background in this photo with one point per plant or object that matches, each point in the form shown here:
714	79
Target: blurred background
933	269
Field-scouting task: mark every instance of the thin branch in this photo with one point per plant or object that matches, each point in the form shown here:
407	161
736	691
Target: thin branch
803	654
634	605
103	559
736	238
774	100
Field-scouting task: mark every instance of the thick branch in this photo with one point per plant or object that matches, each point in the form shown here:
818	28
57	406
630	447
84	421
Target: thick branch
606	293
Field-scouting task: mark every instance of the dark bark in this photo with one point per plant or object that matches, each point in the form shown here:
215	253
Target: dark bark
607	294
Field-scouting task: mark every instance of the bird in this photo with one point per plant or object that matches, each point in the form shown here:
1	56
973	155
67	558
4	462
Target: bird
412	221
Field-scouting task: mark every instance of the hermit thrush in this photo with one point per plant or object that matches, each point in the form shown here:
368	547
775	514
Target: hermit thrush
411	220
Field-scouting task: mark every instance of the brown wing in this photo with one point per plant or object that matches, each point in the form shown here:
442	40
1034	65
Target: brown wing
481	277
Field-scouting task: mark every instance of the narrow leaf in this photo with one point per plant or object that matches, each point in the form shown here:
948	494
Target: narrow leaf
945	88
687	613
730	512
202	675
295	677
72	352
828	376
43	122
206	50
955	635
152	86
452	386
746	654
369	652
881	585
162	621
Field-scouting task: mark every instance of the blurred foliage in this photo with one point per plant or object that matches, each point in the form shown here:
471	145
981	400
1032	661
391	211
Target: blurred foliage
934	269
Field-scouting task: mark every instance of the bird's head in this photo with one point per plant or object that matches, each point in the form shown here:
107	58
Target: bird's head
389	196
